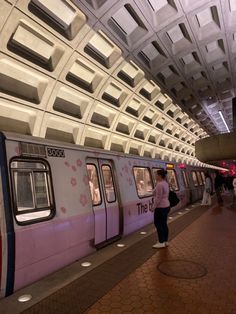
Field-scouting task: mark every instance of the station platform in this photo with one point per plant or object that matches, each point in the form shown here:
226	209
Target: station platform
196	274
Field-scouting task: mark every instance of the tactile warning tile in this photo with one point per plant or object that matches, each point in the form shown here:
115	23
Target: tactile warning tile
182	269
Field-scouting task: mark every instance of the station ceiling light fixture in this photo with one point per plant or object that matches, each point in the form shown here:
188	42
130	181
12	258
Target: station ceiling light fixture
222	117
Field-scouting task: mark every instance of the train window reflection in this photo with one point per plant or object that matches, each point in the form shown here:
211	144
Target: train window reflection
199	177
94	184
108	182
27	165
23	182
154	172
33	198
41	189
194	177
172	180
185	178
143	181
203	177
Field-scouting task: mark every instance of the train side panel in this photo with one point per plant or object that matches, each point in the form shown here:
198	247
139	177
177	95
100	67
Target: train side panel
7	237
136	210
3	245
32	250
44	247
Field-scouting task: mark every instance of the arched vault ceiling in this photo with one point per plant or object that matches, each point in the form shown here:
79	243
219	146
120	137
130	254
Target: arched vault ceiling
141	77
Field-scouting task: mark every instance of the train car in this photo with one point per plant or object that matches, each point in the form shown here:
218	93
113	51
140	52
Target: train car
60	202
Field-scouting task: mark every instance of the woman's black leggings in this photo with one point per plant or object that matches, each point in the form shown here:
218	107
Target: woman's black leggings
160	222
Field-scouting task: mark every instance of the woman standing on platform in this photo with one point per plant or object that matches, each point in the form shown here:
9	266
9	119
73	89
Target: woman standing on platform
161	209
206	199
234	185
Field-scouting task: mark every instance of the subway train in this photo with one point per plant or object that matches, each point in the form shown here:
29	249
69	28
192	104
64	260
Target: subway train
60	202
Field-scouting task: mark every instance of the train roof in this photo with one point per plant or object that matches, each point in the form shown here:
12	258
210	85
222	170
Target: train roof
11	136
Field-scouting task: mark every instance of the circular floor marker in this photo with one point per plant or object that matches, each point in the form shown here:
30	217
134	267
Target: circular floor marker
25	298
120	245
86	264
182	269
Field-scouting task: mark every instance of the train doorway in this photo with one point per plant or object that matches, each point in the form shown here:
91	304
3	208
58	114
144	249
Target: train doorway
104	194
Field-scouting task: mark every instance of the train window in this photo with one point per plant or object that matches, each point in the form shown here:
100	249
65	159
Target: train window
143	181
194	177
109	184
203	177
172	179
32	190
185	178
27	164
41	189
24	190
94	184
199	177
154	172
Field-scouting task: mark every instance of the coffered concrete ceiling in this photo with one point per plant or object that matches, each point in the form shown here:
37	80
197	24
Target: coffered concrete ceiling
188	47
144	77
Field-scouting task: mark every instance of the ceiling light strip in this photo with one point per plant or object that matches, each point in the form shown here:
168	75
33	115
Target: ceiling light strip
222	117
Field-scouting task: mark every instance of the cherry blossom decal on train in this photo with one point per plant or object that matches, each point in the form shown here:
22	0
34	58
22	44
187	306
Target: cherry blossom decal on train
73	181
63	209
83	199
73	168
79	162
67	163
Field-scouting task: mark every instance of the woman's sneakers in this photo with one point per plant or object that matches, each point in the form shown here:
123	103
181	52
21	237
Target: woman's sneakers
159	245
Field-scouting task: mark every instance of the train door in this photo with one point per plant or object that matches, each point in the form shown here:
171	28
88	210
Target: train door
104	198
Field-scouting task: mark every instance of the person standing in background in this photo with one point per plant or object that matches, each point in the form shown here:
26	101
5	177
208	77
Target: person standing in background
161	207
206	200
234	185
219	181
229	185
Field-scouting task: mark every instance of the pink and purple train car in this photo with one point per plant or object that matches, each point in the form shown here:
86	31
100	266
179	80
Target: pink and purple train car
60	202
